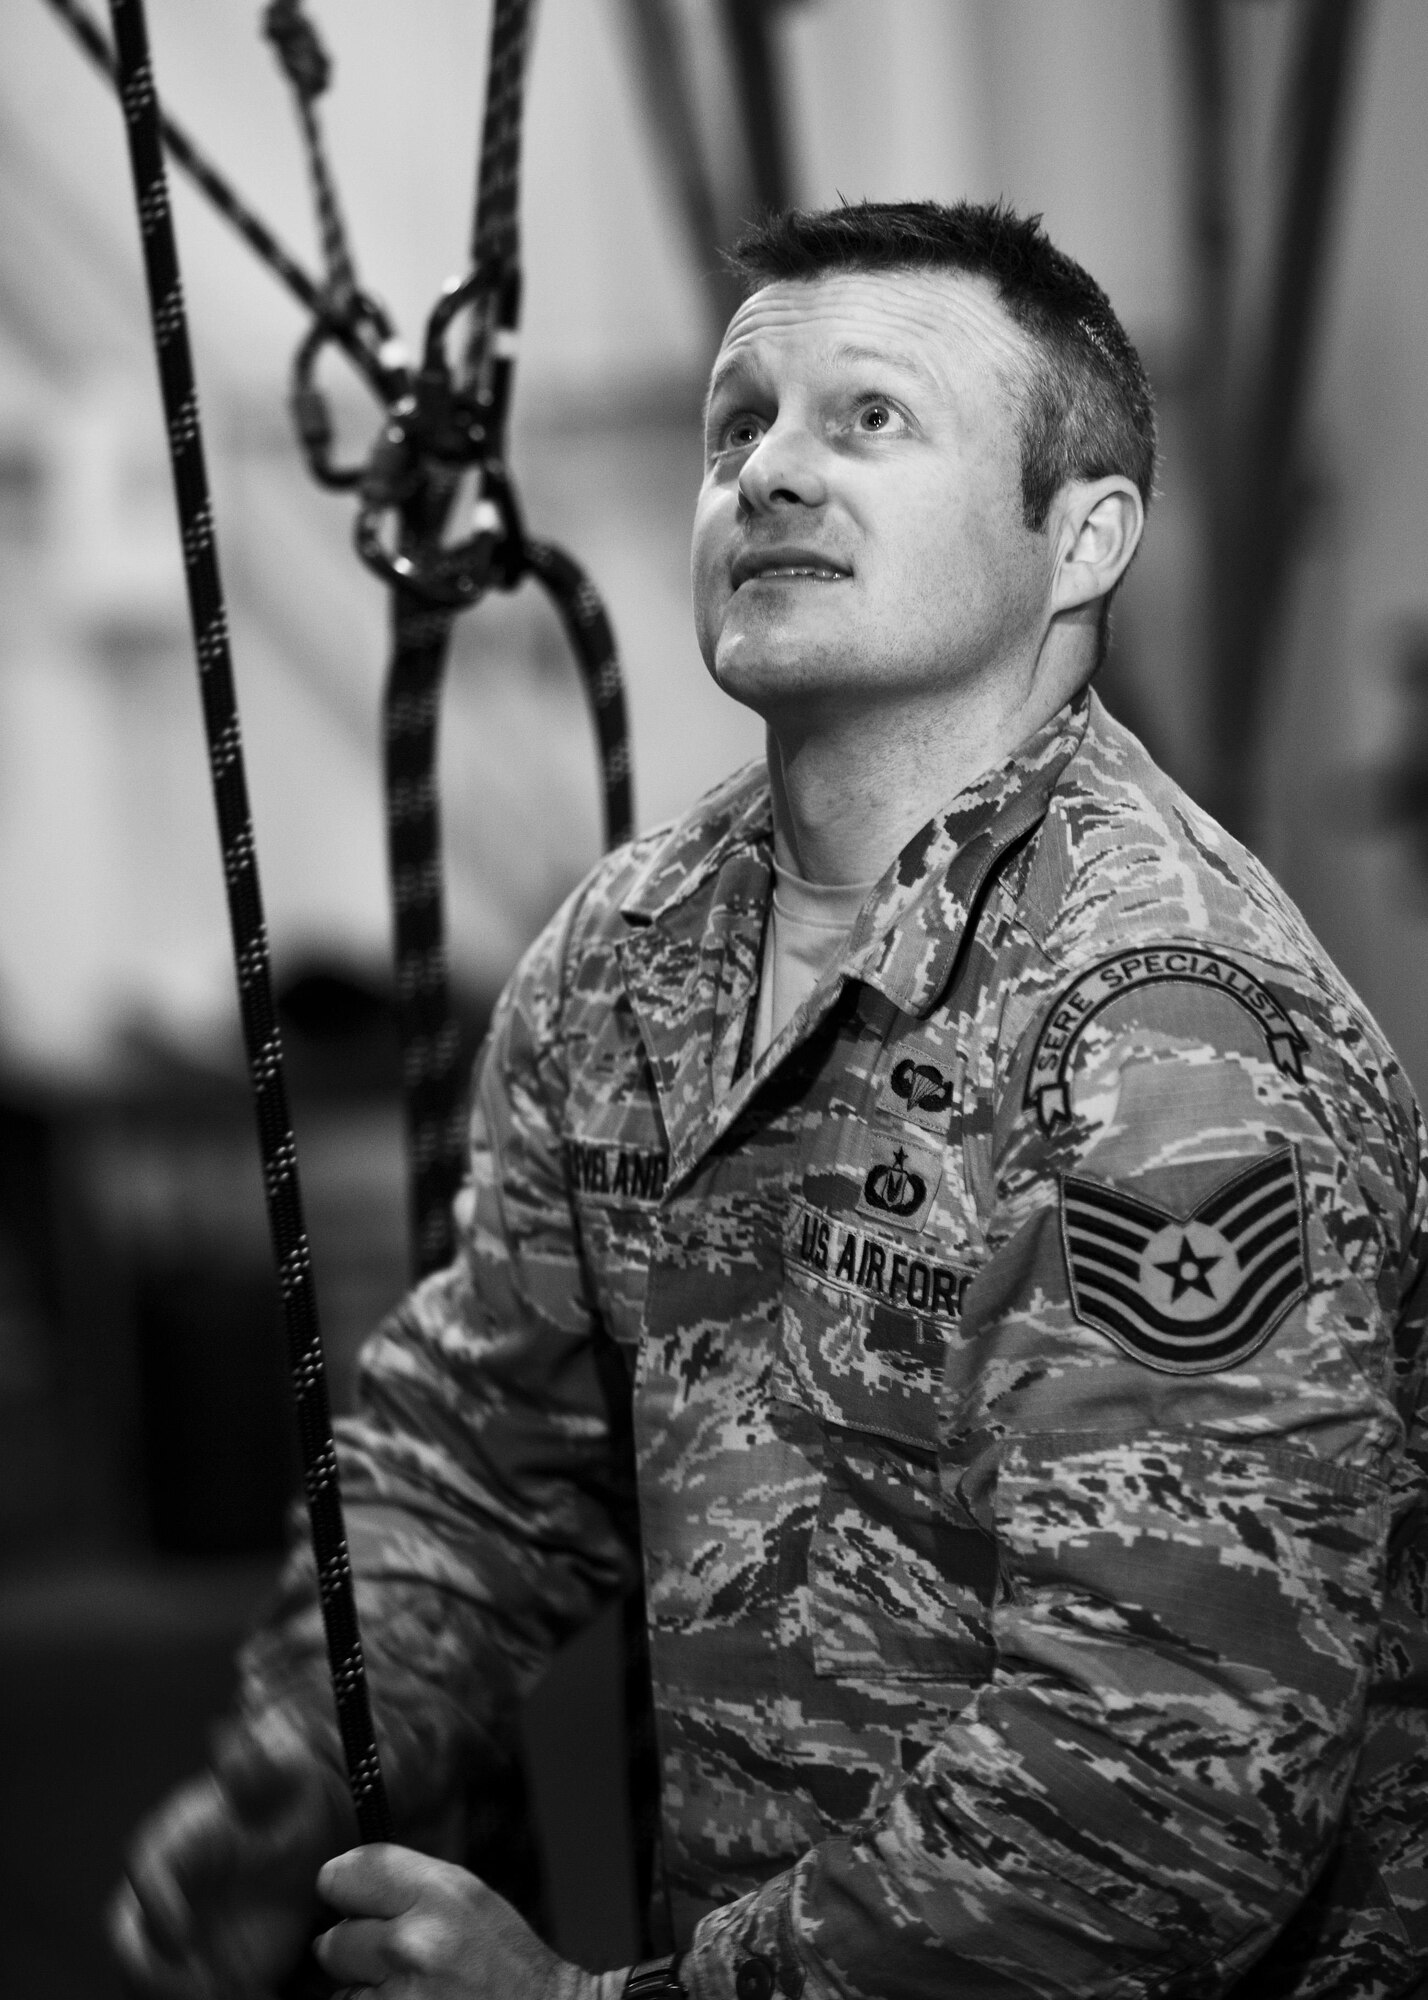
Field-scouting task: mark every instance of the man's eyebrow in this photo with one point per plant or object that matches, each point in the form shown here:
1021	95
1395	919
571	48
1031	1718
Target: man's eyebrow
881	357
733	365
847	352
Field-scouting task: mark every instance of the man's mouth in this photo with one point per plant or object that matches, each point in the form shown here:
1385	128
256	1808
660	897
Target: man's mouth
794	566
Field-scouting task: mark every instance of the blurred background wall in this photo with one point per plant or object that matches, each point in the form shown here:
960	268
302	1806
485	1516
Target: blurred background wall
1170	145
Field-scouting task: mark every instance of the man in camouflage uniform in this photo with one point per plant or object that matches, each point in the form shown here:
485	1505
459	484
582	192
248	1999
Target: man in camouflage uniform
1026	1332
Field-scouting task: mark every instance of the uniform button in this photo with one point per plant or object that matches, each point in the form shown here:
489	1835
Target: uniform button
754	1979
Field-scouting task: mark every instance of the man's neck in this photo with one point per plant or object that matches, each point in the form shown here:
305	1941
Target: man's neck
851	787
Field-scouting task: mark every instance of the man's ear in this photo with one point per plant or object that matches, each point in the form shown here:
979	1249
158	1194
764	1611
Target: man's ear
1099	531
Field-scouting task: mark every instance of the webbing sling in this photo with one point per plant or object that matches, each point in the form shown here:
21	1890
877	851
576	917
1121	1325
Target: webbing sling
245	914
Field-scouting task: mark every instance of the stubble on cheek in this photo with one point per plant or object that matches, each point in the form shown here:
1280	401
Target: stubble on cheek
708	579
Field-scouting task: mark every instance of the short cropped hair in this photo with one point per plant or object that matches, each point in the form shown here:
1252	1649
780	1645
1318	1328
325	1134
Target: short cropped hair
1086	404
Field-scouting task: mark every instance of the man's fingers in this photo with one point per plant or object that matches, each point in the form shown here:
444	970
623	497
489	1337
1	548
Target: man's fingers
134	1947
189	1841
264	1766
143	1968
381	1880
356	1951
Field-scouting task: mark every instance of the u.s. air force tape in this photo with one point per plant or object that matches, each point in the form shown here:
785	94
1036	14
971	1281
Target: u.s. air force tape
1186	965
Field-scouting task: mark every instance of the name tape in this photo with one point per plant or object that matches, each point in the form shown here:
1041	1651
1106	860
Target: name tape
636	1172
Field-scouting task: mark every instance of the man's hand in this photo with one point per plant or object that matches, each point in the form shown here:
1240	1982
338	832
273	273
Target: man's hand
418	1929
218	1899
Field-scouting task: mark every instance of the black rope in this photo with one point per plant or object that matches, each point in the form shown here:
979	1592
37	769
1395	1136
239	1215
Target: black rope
495	227
591	640
306	65
439	421
432	1083
245	912
225	199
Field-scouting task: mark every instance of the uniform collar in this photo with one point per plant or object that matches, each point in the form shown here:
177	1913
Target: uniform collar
909	932
966	836
696	918
736	814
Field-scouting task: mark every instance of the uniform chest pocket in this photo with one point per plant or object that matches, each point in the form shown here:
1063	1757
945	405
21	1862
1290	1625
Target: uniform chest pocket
858	1363
896	1589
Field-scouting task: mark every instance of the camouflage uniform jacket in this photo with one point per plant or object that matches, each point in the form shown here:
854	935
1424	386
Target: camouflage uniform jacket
1028	1406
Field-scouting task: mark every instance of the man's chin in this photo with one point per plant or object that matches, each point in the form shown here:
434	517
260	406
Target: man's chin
768	670
770	685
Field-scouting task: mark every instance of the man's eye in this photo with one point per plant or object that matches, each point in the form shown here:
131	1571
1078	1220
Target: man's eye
740	434
876	417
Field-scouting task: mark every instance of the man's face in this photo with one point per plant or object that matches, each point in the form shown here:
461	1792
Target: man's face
859	530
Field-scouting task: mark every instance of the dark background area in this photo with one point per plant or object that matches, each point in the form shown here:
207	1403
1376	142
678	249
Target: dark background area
149	1463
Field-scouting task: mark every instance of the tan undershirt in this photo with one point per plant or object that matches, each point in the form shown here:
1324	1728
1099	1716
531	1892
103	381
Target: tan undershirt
807	928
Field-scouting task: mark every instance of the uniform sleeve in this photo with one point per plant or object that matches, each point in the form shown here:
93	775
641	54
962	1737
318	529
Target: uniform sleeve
483	1505
1172	1406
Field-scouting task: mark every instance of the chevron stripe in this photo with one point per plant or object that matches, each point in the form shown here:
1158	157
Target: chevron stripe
1257	1213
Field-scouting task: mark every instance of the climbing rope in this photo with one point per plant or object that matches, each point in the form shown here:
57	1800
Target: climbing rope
446	421
223	197
309	72
245	911
440	424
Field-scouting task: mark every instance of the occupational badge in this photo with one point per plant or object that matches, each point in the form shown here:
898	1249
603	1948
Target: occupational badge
1188	1294
917	1090
899	1182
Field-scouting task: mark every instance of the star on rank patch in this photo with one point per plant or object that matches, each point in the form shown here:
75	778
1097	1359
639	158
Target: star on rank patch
1188	1294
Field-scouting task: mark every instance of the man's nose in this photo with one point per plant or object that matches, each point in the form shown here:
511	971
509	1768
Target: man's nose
783	469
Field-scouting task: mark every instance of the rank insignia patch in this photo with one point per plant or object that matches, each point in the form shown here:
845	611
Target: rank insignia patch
1191	1294
899	1182
918	1090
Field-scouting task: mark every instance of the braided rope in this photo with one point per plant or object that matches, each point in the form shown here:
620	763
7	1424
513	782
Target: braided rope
308	69
588	629
432	1085
432	1078
221	195
593	643
495	224
245	912
494	233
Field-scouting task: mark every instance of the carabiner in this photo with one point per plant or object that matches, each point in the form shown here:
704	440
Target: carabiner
362	330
